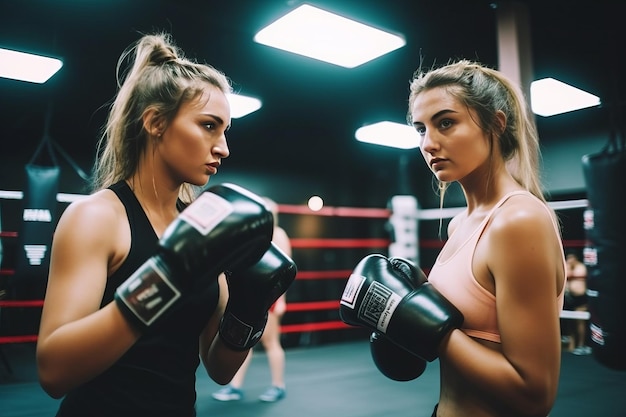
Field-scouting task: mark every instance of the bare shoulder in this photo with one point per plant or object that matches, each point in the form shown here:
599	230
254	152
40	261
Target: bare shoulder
99	213
522	237
523	247
102	206
522	215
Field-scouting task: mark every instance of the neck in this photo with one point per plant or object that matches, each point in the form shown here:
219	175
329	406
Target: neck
482	195
157	199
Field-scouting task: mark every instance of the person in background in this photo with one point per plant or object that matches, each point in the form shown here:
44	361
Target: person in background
153	272
576	300
271	337
490	307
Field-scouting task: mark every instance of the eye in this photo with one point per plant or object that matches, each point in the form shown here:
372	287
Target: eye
445	123
209	125
421	130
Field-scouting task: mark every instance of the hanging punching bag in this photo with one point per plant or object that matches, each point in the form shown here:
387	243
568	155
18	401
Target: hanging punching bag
39	220
35	234
605	253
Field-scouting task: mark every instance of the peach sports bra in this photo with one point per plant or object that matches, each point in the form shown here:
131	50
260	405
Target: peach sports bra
455	280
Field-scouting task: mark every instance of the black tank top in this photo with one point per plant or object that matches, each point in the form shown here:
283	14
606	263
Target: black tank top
157	375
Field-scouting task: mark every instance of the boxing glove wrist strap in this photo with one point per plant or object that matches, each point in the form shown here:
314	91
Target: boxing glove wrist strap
238	335
147	294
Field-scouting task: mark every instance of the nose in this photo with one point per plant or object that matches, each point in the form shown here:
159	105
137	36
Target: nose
428	143
221	148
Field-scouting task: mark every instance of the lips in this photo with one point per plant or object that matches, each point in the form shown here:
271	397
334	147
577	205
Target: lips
435	161
211	169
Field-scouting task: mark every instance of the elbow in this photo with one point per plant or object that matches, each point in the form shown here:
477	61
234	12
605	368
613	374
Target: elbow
49	378
219	375
220	380
538	409
49	389
538	403
51	385
214	372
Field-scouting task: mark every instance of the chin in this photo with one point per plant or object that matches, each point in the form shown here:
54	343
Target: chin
198	182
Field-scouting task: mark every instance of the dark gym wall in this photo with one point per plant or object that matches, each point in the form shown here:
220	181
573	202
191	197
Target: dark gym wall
393	172
562	165
389	172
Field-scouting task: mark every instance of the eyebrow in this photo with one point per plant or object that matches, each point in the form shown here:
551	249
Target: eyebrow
437	115
218	119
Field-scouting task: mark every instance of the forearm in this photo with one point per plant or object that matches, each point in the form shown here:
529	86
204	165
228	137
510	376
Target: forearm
489	370
78	351
221	362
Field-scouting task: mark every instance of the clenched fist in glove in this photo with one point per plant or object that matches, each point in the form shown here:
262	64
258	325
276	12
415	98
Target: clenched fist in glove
394	362
251	293
379	296
225	227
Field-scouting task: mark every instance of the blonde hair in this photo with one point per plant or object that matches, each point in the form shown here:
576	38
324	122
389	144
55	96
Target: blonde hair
487	91
157	78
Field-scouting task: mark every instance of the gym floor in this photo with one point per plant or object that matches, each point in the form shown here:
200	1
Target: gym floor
330	380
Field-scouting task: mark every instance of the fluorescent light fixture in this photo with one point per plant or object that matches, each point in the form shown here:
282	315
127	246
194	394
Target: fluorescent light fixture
549	97
27	67
325	36
242	105
392	134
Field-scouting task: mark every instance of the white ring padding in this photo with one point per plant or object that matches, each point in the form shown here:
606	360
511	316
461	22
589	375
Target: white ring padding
581	315
61	197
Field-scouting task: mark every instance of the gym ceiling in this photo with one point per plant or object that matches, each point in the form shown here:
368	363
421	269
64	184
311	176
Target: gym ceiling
311	109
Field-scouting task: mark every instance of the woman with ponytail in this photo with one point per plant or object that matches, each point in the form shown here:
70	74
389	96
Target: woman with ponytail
502	265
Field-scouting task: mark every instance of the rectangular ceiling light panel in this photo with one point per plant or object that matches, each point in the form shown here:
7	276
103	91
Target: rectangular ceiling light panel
241	106
549	97
325	36
395	135
27	67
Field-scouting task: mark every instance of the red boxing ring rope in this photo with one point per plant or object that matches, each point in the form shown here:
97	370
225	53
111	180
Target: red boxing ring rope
305	243
336	211
302	243
330	274
21	303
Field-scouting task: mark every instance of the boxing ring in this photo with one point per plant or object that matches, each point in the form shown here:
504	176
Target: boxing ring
304	315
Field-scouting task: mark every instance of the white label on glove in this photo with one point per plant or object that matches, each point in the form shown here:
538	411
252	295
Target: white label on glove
378	306
148	293
207	211
353	286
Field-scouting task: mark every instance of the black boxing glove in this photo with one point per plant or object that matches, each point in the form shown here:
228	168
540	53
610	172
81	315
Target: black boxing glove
251	293
378	296
226	226
394	362
391	360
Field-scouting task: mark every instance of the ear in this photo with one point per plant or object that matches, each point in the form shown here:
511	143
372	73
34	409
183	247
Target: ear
153	122
500	121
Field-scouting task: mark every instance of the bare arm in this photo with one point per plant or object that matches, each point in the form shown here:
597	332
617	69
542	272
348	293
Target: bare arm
522	254
220	362
78	340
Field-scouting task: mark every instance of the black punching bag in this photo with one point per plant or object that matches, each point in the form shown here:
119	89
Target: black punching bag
39	220
605	253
